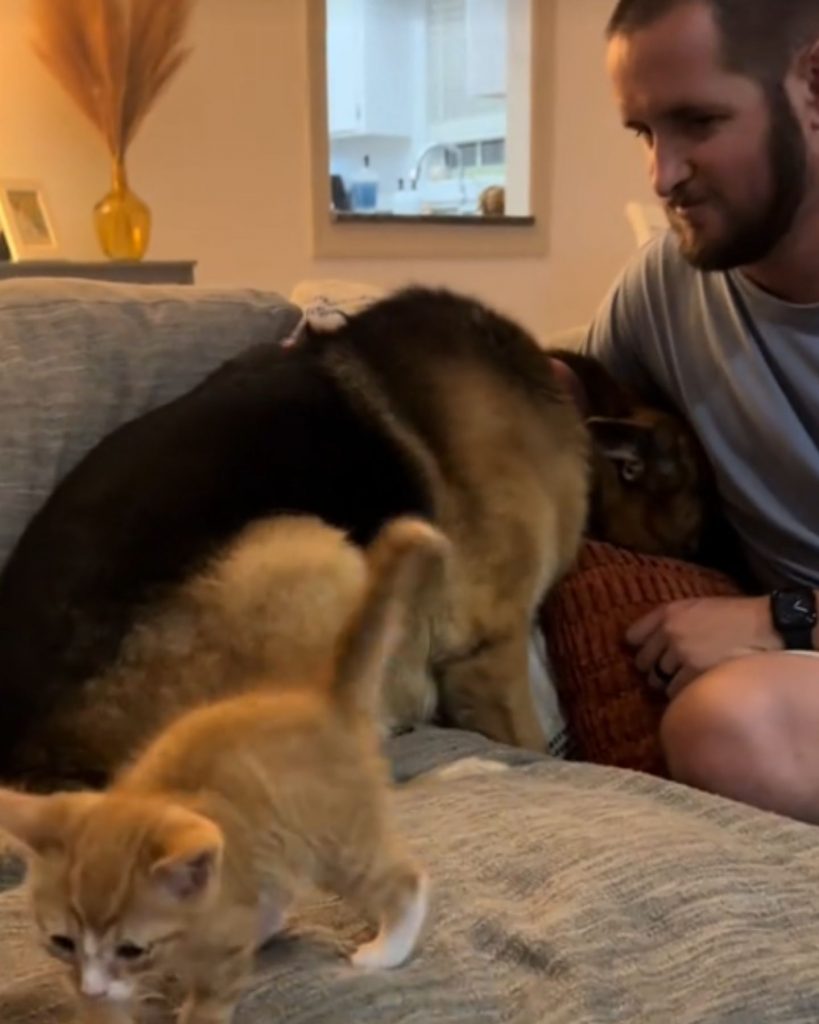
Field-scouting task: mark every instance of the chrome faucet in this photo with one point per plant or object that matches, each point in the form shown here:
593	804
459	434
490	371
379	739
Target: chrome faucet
415	173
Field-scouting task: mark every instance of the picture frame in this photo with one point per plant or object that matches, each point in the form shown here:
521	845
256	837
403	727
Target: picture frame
26	221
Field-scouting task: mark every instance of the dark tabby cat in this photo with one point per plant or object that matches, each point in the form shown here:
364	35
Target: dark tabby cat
653	488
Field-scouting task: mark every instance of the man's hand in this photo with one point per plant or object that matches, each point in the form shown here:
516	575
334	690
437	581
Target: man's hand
676	642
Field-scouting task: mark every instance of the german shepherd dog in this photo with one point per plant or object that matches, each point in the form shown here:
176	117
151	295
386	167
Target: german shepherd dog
151	578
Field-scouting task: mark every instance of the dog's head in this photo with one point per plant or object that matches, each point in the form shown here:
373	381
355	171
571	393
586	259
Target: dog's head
652	488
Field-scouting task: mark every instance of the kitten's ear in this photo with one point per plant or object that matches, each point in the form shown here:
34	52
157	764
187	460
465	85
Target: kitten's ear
23	816
39	823
190	860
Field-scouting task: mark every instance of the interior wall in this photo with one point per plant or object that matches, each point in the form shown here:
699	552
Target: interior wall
223	164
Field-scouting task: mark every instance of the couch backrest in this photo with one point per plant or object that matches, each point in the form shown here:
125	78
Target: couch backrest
78	358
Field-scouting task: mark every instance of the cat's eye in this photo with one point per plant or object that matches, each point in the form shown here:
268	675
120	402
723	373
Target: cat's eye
62	944
130	951
631	470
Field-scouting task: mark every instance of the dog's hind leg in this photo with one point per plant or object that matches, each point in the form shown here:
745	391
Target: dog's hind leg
487	690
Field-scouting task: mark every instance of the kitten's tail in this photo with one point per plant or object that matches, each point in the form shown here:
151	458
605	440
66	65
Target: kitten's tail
407	563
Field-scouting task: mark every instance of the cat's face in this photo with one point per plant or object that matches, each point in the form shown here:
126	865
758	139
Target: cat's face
650	484
117	886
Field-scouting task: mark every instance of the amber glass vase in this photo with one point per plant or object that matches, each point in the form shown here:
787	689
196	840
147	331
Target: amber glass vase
122	220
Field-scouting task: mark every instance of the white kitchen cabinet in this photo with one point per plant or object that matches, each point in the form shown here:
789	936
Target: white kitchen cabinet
369	67
486	44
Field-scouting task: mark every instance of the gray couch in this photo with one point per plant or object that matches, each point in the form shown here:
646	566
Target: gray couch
562	892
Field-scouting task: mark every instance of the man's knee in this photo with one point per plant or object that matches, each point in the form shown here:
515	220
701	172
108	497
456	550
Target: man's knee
721	728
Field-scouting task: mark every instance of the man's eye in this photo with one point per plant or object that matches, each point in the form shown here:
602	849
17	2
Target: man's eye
130	951
62	944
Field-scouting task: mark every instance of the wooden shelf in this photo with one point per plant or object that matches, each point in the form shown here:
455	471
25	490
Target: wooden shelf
124	271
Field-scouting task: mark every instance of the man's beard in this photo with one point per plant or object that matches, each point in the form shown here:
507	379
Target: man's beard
750	239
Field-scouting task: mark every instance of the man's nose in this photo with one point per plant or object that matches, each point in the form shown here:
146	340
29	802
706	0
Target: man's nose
669	168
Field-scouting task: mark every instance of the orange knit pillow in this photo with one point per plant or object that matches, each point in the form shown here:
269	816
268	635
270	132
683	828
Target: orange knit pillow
611	713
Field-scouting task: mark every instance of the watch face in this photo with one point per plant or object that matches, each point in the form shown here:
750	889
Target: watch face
794	608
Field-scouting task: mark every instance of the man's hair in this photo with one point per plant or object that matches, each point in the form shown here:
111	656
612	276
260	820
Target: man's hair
759	38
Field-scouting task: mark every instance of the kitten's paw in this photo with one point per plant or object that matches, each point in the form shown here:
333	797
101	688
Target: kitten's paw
393	945
466	767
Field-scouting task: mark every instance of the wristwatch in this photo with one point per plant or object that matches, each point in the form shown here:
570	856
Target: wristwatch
793	612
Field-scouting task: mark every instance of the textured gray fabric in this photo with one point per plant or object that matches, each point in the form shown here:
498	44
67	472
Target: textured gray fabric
11	868
78	358
563	893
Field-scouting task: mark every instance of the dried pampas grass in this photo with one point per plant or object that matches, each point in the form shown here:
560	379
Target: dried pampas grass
113	57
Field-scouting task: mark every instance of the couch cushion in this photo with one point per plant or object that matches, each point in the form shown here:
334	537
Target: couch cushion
565	893
78	358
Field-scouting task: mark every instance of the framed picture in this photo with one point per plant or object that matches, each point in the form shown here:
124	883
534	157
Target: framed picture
26	221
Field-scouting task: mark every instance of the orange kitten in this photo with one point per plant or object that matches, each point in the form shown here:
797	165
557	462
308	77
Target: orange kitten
190	860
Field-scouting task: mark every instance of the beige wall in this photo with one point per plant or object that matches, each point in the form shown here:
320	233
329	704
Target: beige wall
223	163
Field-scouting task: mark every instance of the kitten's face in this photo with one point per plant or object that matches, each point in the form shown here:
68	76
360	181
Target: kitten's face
110	952
118	888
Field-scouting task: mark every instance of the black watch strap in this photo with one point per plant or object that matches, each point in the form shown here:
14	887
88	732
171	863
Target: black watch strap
798	638
793	613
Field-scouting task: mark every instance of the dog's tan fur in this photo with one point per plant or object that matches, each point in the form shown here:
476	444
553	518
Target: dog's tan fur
194	854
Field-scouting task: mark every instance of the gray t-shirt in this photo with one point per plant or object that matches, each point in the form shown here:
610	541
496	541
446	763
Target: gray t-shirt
743	368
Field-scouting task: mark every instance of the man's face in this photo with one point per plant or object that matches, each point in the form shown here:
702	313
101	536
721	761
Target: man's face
728	161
